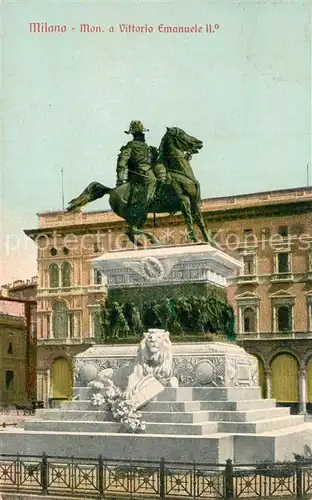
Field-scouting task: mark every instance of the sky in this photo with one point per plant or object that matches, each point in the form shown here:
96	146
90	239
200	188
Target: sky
244	90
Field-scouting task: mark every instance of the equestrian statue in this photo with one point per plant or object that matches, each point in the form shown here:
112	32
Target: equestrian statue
151	180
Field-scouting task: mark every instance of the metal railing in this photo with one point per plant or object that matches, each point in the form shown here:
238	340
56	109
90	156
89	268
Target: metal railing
288	276
247	278
71	477
61	341
274	335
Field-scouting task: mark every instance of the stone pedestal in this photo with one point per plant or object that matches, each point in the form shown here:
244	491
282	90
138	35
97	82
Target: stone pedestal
211	364
142	274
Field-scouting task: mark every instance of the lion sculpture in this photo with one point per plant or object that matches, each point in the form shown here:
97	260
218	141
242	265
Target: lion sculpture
154	358
153	361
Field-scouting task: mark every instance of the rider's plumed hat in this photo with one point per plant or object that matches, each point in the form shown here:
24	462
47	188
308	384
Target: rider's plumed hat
136	127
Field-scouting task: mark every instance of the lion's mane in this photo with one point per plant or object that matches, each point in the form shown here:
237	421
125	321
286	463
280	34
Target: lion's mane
159	363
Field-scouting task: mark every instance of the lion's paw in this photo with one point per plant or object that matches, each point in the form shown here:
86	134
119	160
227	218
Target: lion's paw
97	385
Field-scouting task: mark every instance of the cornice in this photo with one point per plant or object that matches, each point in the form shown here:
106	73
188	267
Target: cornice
223	214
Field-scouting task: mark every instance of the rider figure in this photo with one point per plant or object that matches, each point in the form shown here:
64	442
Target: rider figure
136	164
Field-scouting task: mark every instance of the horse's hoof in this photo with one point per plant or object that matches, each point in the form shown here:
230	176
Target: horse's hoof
155	241
138	243
193	238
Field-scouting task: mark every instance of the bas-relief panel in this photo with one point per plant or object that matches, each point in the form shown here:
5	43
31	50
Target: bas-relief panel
214	369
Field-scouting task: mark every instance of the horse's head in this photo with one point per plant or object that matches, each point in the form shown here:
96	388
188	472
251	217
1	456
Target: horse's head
184	141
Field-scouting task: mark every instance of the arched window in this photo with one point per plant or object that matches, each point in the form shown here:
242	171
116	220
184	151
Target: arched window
249	320
60	321
54	276
97	277
66	274
285	378
9	380
284	319
96	324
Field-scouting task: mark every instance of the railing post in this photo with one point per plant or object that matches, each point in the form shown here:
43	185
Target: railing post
131	479
162	479
17	474
101	476
299	483
195	481
229	482
44	474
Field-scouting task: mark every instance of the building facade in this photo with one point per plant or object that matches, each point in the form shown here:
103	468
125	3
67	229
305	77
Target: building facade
13	353
69	295
20	297
272	297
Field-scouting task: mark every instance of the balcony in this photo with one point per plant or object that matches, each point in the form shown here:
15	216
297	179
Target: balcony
282	277
66	341
274	336
248	244
102	288
247	279
10	320
60	291
283	243
71	290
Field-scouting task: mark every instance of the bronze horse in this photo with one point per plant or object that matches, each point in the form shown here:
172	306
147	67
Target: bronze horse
180	193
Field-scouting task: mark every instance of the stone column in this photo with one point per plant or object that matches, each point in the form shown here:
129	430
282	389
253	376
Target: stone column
303	391
268	382
274	329
77	330
257	321
40	384
240	320
49	329
46	392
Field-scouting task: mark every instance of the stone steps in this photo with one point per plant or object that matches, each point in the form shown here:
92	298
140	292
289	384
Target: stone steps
260	426
204	410
101	416
199	422
76	405
185	406
203	393
211	449
208	422
252	404
274	445
176	412
171	428
203	429
72	415
183	394
248	415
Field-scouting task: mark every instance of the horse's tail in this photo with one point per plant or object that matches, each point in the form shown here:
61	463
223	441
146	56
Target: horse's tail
94	191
